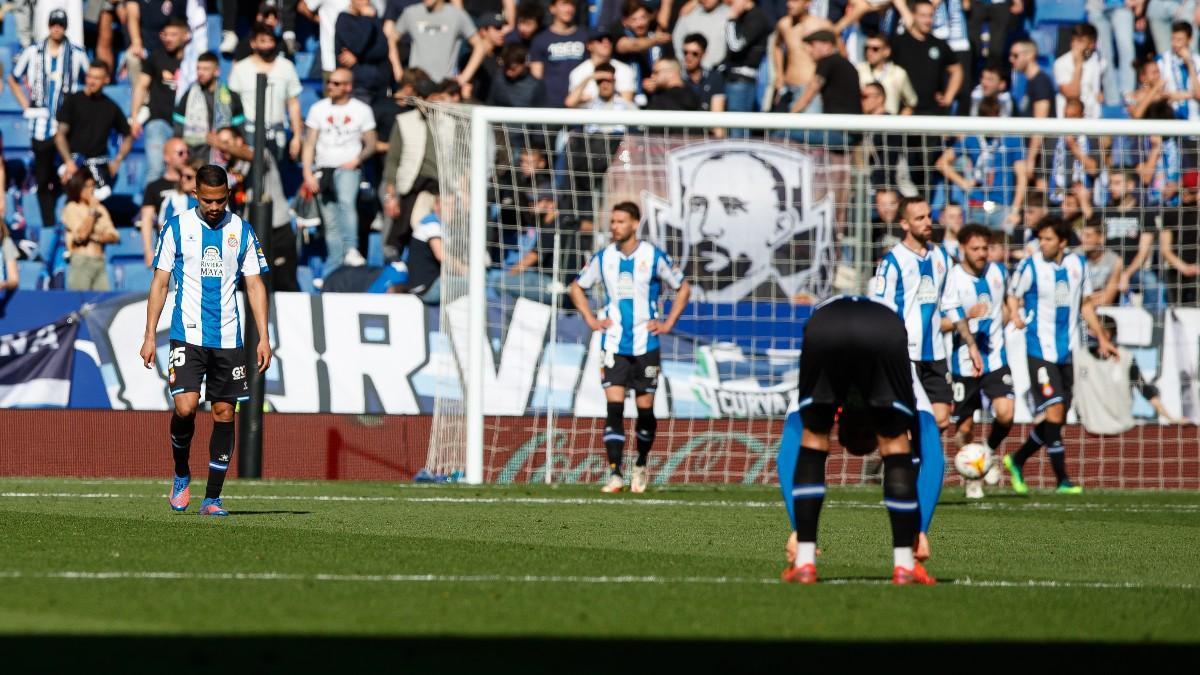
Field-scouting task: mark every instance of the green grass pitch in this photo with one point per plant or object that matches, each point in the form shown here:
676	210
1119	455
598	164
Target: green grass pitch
381	559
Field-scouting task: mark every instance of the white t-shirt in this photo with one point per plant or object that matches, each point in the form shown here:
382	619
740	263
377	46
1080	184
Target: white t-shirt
327	11
626	80
1089	83
340	129
282	83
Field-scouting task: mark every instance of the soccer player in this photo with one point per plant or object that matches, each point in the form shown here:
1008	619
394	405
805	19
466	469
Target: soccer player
206	250
855	359
1054	289
975	291
910	280
632	273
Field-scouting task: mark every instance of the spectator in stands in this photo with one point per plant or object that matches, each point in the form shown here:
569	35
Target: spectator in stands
181	195
361	46
410	171
881	149
144	23
589	154
998	15
991	83
899	95
706	18
793	63
1079	72
1129	229
1179	243
1162	15
885	222
39	22
1113	20
874	99
390	278
10	272
50	70
746	36
491	31
529	23
708	84
325	14
1103	266
1152	89
667	89
836	81
85	121
437	30
175	158
638	44
1178	68
426	254
936	77
600	50
515	86
340	137
947	22
88	228
993	182
1158	162
206	106
267	15
556	51
282	107
950	221
531	277
282	246
1076	161
1038	100
155	87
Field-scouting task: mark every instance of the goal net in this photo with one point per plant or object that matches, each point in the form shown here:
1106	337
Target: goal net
766	215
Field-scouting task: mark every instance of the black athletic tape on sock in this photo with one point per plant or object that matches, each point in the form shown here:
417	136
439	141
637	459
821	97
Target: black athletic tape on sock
220	452
614	435
808	492
182	430
900	498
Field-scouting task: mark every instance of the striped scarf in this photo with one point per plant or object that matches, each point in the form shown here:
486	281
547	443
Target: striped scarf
39	76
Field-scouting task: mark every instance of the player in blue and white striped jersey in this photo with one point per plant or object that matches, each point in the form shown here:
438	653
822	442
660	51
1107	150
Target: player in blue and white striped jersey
1049	294
632	273
910	279
975	291
206	251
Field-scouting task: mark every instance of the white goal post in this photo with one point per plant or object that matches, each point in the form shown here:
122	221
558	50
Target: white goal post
464	428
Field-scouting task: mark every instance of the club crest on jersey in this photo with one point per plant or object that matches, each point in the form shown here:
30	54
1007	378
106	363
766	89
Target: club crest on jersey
1062	294
985	299
926	291
211	264
741	218
231	241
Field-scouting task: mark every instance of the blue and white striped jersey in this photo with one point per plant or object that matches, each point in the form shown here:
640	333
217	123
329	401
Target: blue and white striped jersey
963	291
1053	294
911	284
206	263
49	78
632	285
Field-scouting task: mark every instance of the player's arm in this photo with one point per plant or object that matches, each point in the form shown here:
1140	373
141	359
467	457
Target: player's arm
883	286
256	295
1145	245
677	307
1021	283
1087	310
154	308
579	299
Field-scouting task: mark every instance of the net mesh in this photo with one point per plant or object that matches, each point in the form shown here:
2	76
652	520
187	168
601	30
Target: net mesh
765	224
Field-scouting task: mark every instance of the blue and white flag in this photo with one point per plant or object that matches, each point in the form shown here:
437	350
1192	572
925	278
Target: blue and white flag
35	365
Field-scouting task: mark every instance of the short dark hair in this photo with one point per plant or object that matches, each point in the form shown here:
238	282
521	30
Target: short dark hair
1062	229
1084	30
605	68
697	38
875	86
209	57
176	22
449	86
511	53
211	175
1035	197
1182	27
971	230
629	208
994	69
74	187
1024	42
914	3
631	7
261	28
989	107
1094	223
906	202
99	64
530	9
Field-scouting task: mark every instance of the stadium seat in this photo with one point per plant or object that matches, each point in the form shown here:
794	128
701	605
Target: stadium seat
375	249
122	93
29	270
1061	11
130	275
304	278
129	246
15	131
307	66
1114	112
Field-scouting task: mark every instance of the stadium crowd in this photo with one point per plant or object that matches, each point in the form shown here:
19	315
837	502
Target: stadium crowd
358	158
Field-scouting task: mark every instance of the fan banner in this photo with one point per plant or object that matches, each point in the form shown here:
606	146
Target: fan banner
35	365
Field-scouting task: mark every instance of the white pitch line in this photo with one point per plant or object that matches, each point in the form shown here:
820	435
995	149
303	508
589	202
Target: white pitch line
549	579
620	501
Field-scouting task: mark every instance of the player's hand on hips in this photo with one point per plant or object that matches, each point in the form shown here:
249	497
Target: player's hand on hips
147	352
264	356
657	327
976	359
600	324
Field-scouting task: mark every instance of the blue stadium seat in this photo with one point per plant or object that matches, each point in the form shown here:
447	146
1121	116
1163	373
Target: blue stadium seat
1061	11
15	130
29	270
8	102
375	249
130	275
310	95
130	245
308	65
9	35
1114	112
131	178
304	278
214	32
29	207
122	93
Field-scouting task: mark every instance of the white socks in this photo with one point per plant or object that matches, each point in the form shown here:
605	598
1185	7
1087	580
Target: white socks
903	557
806	553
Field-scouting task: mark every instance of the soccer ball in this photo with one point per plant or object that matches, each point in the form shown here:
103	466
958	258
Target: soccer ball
973	461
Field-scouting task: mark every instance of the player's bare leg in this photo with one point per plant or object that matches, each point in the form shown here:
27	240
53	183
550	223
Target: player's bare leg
614	438
646	428
183	427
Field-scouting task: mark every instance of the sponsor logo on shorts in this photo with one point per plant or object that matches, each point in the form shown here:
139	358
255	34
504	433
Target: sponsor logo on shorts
651	372
239	372
1007	380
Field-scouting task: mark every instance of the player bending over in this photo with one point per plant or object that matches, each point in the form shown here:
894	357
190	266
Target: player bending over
632	273
1054	289
206	250
855	358
975	291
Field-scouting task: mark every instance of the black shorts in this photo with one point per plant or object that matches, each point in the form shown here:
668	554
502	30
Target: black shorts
223	372
1050	383
967	392
855	356
935	380
639	373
